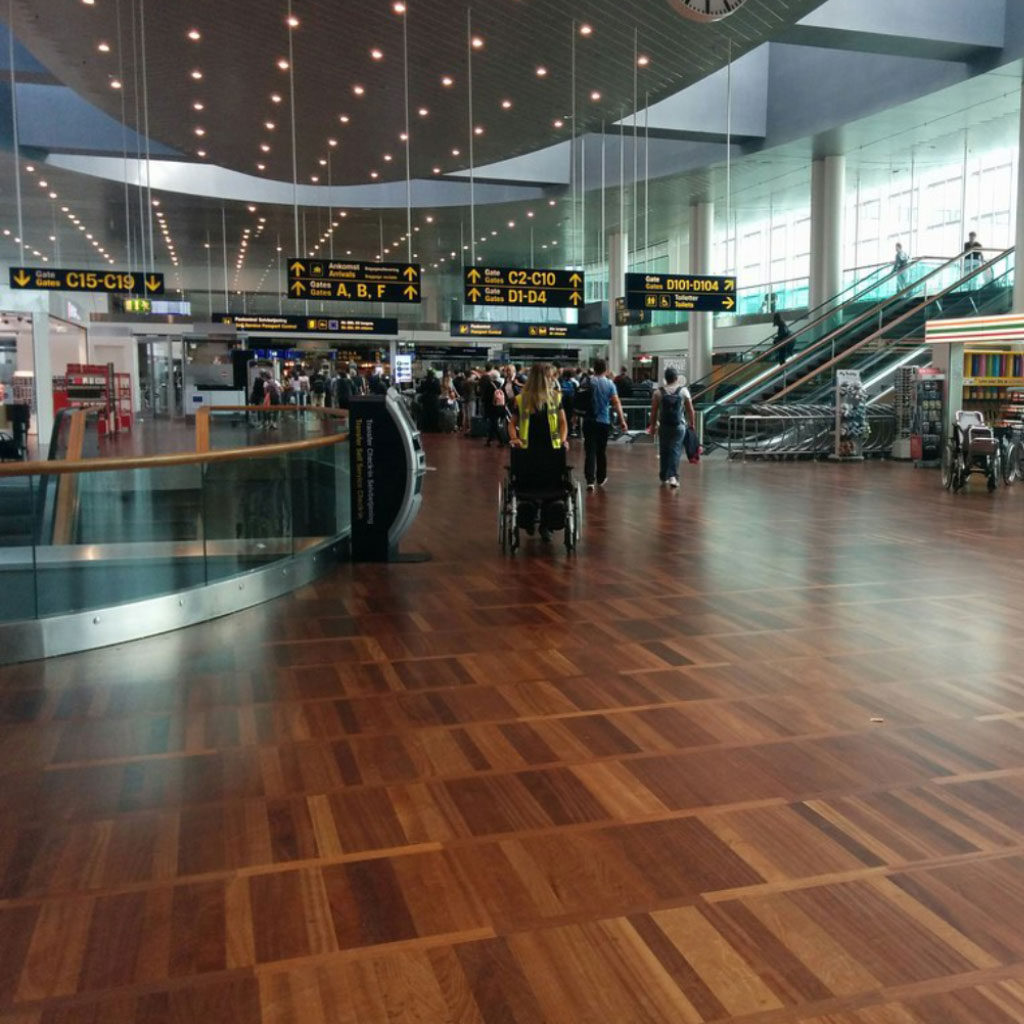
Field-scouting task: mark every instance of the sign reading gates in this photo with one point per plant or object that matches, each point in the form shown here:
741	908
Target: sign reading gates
523	286
54	279
695	293
353	281
307	324
515	329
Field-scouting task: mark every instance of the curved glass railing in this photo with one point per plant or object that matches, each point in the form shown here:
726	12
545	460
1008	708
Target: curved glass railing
84	535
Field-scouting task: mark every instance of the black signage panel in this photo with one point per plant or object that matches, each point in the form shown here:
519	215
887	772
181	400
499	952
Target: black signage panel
523	286
539	332
440	352
696	293
308	324
353	281
54	279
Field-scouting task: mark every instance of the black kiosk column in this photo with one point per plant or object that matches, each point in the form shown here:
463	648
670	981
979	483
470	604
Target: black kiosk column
387	469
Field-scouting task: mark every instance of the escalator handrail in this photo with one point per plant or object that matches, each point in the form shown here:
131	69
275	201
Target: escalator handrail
861	318
924	303
743	363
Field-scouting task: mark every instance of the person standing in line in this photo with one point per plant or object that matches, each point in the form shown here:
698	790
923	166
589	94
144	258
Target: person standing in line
597	425
671	414
624	383
492	397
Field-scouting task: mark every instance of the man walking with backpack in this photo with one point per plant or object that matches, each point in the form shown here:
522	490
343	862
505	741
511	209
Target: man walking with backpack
595	401
668	407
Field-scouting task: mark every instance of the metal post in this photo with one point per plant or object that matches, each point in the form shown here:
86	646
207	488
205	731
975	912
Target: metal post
145	114
472	177
408	141
14	125
224	250
574	241
295	156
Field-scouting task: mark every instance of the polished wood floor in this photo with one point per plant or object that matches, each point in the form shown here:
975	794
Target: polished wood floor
756	754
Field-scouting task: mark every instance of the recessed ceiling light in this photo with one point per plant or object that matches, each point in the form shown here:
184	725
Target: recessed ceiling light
643	60
403	137
423	111
374	174
343	118
559	123
193	34
541	72
265	147
477	43
104	47
506	104
358	90
529	213
447	81
455	152
275	97
322	162
292	21
261	167
585	29
282	64
200	131
197	74
313	178
478	130
436	170
53	195
30	168
377	54
398	7
115	83
344	213
511	223
88	3
551	202
430	220
387	158
198	105
332	142
595	95
201	153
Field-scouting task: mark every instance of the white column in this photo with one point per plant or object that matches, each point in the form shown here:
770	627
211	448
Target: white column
618	261
1018	276
43	378
828	192
701	331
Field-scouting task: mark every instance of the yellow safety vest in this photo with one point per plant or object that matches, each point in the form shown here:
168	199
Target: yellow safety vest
524	424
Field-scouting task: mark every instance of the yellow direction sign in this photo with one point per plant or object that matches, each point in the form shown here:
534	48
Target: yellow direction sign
353	280
696	293
523	286
55	279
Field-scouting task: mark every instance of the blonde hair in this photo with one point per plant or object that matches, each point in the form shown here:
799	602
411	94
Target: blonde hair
537	392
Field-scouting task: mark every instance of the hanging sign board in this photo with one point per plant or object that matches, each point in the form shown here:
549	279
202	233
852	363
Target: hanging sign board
253	324
516	329
54	279
353	281
523	286
686	292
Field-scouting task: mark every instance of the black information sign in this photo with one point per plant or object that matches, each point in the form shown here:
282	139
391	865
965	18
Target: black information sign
442	352
308	324
53	279
523	286
353	281
694	292
539	332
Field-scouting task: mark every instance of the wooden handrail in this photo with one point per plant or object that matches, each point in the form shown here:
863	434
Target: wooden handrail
67	490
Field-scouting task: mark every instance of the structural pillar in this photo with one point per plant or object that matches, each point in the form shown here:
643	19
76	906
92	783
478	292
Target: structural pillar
828	191
701	330
41	366
618	261
1018	276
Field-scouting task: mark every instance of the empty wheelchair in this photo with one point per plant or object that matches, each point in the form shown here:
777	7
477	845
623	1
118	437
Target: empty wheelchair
971	448
539	494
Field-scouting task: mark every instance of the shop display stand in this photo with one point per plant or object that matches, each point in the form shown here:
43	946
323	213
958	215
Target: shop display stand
904	390
928	433
851	417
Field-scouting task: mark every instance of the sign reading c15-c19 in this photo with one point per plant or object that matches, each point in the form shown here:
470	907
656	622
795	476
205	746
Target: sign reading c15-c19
353	281
523	286
55	279
697	293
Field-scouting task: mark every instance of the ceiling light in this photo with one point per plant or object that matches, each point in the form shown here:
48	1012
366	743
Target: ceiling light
201	153
282	64
358	90
104	47
115	83
506	104
477	43
541	72
261	167
252	209
423	111
494	232
275	97
42	184
595	95
430	220
344	213
377	54
292	21
403	137
559	123
387	158
193	34
478	130
322	162
436	170
313	178
265	147
455	152
399	7
529	213
551	202
198	105
200	132
374	174
332	142
30	168
447	81
643	60
511	223
53	195
269	125
197	74
585	29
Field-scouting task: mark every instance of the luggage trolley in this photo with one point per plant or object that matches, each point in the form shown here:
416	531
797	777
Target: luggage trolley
551	482
972	448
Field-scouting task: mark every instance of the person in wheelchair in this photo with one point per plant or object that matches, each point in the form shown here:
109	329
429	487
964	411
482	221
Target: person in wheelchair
538	434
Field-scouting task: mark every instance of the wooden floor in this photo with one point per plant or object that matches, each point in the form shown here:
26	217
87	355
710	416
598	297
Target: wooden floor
757	754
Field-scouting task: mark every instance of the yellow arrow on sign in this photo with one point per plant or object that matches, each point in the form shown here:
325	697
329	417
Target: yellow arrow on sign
298	268
298	287
409	291
474	294
575	280
575	298
474	275
22	279
728	302
729	284
410	273
153	283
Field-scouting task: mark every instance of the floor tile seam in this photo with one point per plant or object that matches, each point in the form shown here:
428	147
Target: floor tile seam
567	762
455	844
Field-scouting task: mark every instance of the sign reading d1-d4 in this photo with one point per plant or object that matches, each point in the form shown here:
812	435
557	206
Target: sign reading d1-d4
523	286
53	279
695	292
352	281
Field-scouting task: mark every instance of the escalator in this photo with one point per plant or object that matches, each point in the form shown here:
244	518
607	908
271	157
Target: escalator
875	332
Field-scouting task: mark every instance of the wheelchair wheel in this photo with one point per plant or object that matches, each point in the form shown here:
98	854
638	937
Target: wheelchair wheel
580	513
992	471
949	460
1011	462
501	515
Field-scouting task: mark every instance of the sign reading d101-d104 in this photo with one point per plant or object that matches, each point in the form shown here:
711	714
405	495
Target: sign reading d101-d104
697	293
523	286
114	282
352	281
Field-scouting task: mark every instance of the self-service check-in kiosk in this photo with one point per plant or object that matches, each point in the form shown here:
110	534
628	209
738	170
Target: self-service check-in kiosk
387	469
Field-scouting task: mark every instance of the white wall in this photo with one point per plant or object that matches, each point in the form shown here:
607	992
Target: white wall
727	339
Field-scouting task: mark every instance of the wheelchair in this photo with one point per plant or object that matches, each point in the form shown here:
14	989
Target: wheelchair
972	448
538	484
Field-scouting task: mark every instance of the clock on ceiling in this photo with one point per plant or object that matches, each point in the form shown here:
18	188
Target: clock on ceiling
706	10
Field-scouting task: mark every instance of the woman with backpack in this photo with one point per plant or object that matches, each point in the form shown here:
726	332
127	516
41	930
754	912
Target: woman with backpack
671	414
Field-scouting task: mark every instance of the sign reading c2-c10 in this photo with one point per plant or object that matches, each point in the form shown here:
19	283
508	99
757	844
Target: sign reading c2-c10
113	282
353	281
696	293
523	286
